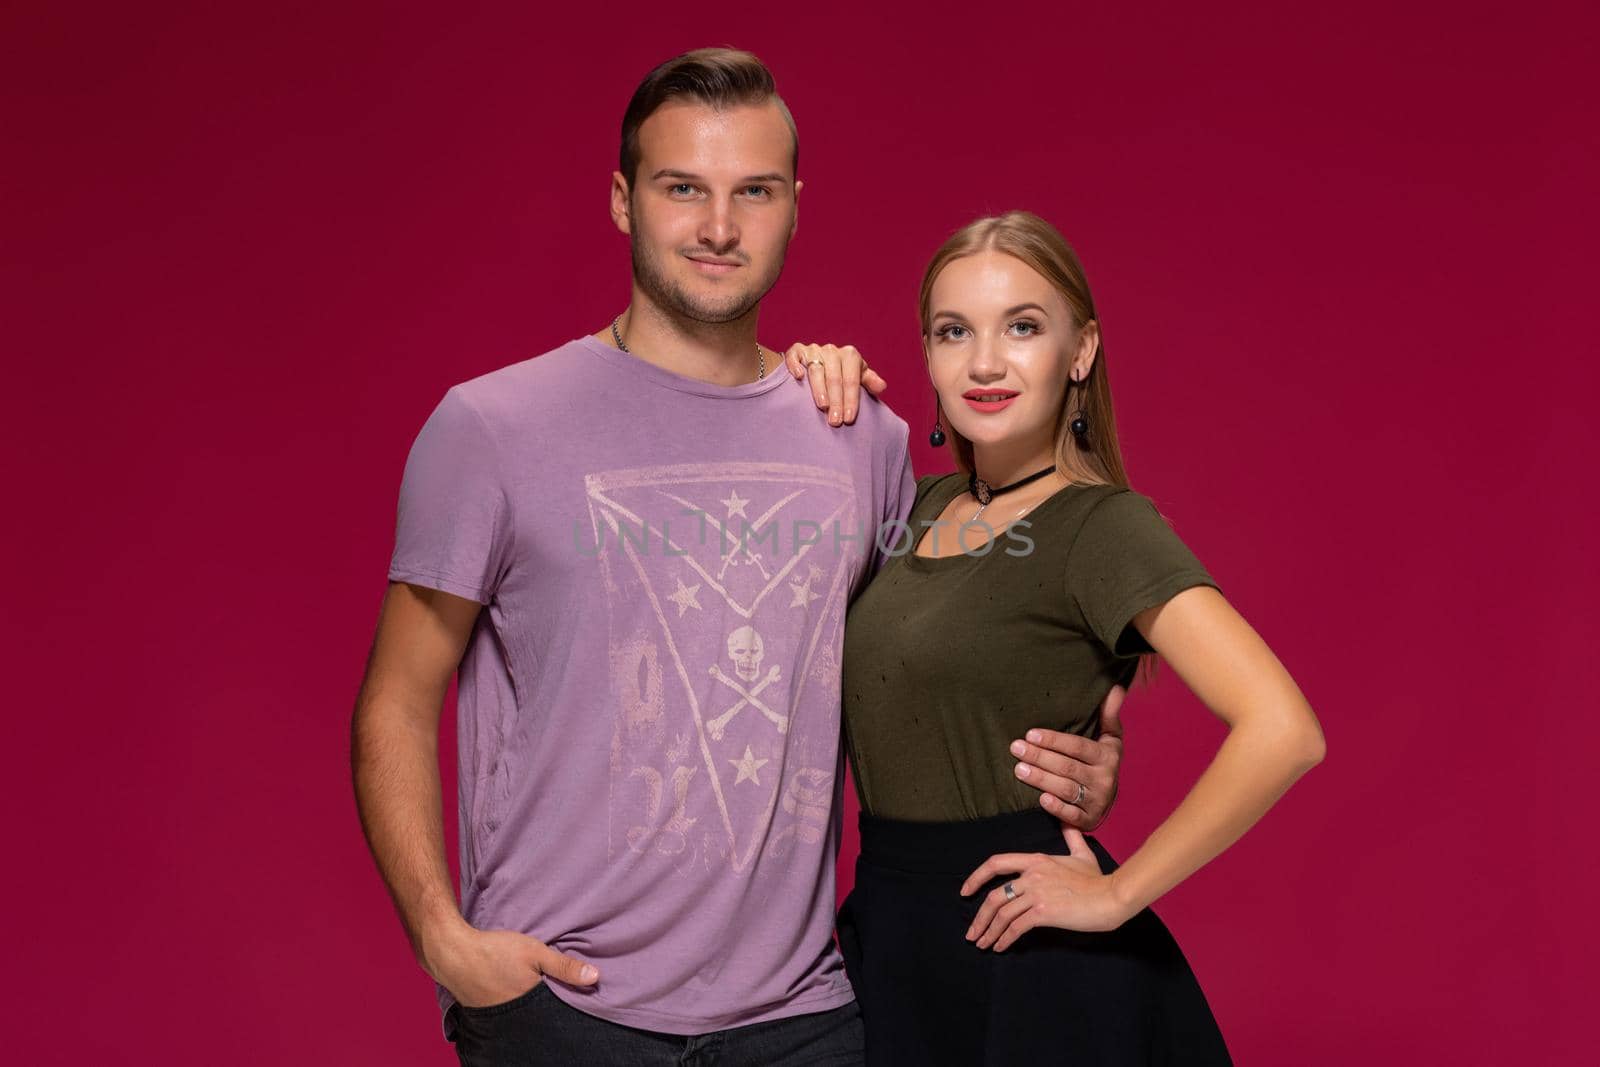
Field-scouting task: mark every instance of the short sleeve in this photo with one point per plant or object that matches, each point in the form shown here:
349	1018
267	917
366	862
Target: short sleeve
901	493
1124	560
452	529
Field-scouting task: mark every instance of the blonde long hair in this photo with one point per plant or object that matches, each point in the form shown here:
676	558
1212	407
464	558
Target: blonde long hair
1029	238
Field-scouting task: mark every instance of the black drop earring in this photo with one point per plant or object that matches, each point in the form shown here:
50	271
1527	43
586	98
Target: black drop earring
936	438
1080	420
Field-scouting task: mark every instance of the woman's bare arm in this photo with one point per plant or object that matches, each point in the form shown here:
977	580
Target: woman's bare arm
1273	738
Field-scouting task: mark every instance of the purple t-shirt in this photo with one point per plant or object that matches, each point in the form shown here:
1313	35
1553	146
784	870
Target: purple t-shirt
648	710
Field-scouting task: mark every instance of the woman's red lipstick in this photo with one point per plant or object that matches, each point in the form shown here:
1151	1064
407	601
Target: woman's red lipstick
989	401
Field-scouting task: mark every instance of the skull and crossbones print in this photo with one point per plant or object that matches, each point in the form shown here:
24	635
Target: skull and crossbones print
746	650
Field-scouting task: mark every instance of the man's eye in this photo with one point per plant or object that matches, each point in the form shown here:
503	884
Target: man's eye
758	191
682	189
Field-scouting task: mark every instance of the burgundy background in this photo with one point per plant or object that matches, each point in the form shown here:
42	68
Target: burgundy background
1341	254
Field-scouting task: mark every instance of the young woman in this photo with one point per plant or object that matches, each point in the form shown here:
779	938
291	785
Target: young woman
979	933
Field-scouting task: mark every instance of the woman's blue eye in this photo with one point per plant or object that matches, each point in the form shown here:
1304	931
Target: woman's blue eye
1030	327
949	332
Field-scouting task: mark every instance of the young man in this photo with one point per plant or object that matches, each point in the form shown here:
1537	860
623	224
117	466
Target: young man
665	536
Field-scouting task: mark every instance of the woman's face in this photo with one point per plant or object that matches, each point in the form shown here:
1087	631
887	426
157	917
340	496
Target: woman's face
1001	345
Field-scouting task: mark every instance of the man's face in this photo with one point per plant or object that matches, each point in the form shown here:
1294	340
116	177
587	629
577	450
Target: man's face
712	207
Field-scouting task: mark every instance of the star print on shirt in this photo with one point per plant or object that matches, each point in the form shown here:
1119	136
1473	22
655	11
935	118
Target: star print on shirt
686	597
735	505
803	593
748	766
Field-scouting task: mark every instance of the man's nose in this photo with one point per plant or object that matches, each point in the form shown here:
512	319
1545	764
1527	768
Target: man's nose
719	231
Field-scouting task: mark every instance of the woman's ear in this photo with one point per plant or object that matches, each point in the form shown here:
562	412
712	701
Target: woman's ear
1088	345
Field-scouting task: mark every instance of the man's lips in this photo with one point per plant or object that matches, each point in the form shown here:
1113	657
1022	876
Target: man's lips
989	401
714	264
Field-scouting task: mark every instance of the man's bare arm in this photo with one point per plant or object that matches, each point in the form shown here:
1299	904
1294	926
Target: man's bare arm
394	752
394	756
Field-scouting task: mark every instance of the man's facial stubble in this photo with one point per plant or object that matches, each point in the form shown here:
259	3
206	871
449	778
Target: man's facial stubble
651	274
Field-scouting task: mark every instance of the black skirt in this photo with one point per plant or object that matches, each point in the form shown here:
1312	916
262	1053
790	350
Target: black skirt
929	996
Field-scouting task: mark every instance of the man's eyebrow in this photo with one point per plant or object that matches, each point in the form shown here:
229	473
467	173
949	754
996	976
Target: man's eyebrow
683	175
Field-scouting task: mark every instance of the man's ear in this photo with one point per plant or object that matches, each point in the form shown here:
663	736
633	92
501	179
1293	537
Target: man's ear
794	225
621	207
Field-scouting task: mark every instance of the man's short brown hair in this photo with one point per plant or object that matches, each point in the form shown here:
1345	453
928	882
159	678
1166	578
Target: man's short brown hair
718	77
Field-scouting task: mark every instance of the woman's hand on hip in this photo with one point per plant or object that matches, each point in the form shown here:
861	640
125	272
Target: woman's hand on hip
1067	892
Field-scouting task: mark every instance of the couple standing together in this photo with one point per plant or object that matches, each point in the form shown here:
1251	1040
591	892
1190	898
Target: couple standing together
655	670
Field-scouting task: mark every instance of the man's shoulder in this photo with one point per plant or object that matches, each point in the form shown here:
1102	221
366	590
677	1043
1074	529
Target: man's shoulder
879	422
876	429
519	389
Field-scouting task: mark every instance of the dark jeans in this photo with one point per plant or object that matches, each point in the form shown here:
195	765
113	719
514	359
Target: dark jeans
539	1028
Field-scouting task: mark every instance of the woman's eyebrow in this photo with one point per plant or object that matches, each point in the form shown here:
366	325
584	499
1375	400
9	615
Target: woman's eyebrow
1004	314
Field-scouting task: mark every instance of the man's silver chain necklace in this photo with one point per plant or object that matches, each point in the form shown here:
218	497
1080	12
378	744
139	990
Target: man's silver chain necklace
616	335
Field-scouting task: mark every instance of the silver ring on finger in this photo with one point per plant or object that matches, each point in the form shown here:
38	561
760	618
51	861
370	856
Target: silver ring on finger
1010	890
1077	801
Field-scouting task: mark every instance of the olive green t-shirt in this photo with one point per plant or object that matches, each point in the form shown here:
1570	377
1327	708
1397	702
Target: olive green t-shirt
948	660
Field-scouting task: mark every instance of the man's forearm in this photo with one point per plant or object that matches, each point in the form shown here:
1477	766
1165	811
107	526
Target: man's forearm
395	766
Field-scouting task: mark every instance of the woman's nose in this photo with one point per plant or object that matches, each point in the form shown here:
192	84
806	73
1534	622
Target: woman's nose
986	363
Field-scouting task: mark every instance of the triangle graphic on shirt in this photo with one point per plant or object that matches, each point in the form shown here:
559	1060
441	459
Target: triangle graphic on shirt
739	569
735	559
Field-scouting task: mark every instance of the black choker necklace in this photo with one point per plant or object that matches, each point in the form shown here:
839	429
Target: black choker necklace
984	492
